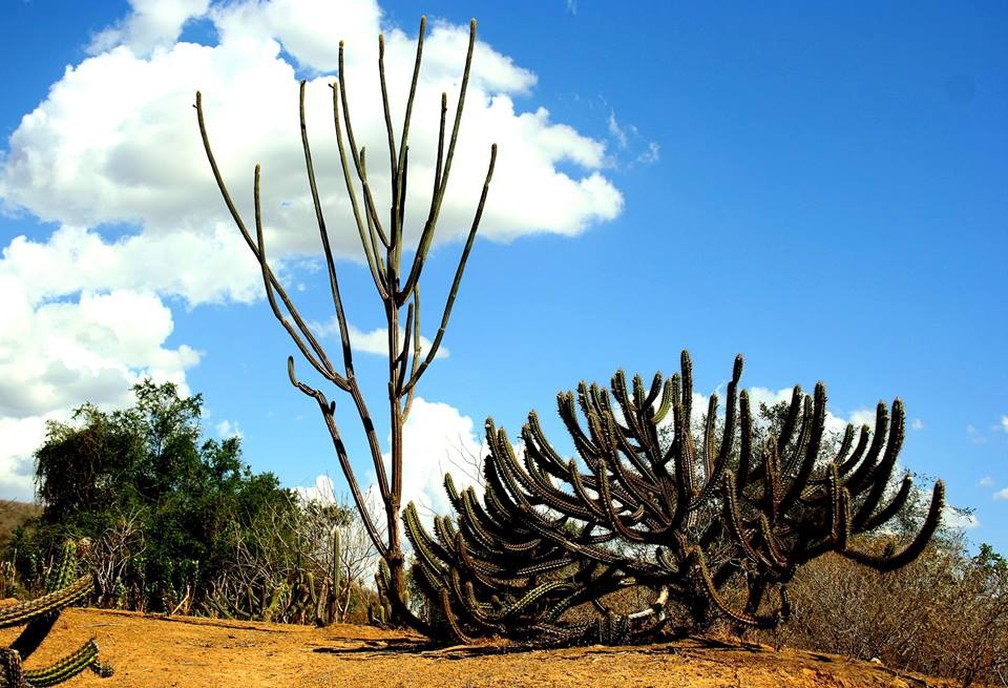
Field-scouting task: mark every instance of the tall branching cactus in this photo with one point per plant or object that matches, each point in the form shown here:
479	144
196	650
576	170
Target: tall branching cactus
38	616
399	290
706	525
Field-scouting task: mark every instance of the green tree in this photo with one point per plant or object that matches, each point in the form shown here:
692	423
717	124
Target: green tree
164	509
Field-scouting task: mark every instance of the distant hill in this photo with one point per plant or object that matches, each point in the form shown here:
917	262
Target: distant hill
13	514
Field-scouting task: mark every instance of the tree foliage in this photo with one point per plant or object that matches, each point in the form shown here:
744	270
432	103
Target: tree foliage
163	508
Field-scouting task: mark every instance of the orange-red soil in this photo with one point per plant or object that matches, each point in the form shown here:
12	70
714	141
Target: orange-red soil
184	652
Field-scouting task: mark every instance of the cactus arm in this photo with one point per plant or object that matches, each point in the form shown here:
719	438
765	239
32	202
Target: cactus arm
898	501
741	617
811	448
745	443
451	618
23	612
879	478
68	667
912	550
855	483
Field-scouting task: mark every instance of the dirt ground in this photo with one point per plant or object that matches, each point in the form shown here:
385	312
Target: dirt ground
185	652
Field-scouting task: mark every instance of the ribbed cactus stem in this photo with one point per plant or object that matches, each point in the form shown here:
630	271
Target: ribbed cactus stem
336	573
39	616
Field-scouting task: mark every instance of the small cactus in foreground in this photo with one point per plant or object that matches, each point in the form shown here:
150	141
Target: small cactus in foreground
39	616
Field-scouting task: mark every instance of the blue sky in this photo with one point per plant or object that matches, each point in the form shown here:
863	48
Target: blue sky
822	190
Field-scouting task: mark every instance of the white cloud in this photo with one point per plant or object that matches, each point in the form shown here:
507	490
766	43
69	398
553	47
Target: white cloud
1004	423
1001	494
226	430
986	481
197	267
437	439
321	491
861	417
630	144
152	24
57	353
21	437
651	155
763	395
112	157
959	520
618	132
916	424
116	141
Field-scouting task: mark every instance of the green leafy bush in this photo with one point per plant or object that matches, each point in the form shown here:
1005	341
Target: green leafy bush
165	510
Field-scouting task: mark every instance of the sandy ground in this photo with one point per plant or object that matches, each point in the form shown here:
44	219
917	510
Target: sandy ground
156	652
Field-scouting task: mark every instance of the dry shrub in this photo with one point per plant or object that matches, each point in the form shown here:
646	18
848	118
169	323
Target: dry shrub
946	614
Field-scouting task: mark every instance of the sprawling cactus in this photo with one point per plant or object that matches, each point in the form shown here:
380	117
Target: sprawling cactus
703	525
38	617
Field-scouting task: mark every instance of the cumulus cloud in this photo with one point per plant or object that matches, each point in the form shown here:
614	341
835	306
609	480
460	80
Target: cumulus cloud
52	352
20	437
112	158
759	396
959	519
916	424
198	267
226	430
115	140
322	491
1004	423
1001	494
437	439
986	481
152	24
56	353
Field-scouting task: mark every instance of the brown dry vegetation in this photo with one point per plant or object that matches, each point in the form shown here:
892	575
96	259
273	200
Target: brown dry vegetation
185	652
13	514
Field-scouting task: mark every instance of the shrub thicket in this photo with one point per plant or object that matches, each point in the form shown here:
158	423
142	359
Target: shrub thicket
177	523
946	614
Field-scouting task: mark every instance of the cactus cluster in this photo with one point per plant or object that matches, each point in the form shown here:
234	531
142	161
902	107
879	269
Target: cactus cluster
38	616
704	523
